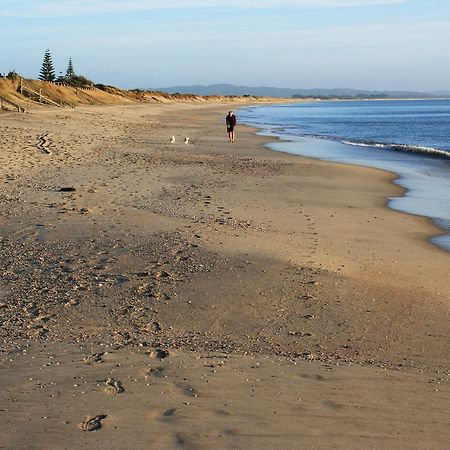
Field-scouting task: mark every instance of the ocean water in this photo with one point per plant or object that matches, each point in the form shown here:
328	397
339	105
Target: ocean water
410	138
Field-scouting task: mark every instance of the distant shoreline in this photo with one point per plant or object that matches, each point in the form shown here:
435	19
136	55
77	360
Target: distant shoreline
276	92
369	99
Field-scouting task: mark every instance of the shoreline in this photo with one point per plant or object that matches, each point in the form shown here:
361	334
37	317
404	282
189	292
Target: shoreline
439	230
272	296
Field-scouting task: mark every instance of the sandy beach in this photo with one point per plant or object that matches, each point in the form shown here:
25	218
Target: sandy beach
157	295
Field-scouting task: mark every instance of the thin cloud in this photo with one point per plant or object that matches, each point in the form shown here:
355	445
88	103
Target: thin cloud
412	35
53	8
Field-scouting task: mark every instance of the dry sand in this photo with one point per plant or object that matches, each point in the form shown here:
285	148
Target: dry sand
209	295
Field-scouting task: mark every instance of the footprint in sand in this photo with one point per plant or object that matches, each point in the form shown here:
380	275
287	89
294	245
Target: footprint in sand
157	372
168	414
159	353
315	376
95	357
113	386
188	390
332	405
181	440
92	423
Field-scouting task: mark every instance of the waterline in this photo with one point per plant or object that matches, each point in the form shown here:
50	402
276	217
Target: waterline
425	179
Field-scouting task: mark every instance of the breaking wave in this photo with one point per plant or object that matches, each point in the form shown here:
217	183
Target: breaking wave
429	151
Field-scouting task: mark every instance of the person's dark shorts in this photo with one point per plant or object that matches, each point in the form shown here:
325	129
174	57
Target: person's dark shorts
230	128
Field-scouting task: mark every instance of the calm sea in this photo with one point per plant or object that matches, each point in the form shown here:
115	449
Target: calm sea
410	138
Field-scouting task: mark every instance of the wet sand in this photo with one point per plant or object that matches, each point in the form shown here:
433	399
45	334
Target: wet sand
209	295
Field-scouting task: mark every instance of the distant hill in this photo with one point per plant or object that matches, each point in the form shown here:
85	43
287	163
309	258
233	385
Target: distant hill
264	91
440	94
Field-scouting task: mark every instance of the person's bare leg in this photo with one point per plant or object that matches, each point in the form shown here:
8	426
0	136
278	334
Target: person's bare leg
232	137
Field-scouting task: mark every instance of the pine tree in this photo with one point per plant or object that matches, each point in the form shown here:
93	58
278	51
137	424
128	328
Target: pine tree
70	73
47	72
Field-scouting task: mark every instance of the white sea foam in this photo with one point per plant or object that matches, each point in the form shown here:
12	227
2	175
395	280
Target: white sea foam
402	147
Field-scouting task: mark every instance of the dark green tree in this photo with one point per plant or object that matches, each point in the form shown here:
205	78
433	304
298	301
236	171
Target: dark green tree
60	78
47	72
70	73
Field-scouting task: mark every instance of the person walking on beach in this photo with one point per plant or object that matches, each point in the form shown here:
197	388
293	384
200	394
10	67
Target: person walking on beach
231	123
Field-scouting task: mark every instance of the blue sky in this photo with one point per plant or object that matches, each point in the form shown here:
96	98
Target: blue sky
364	44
